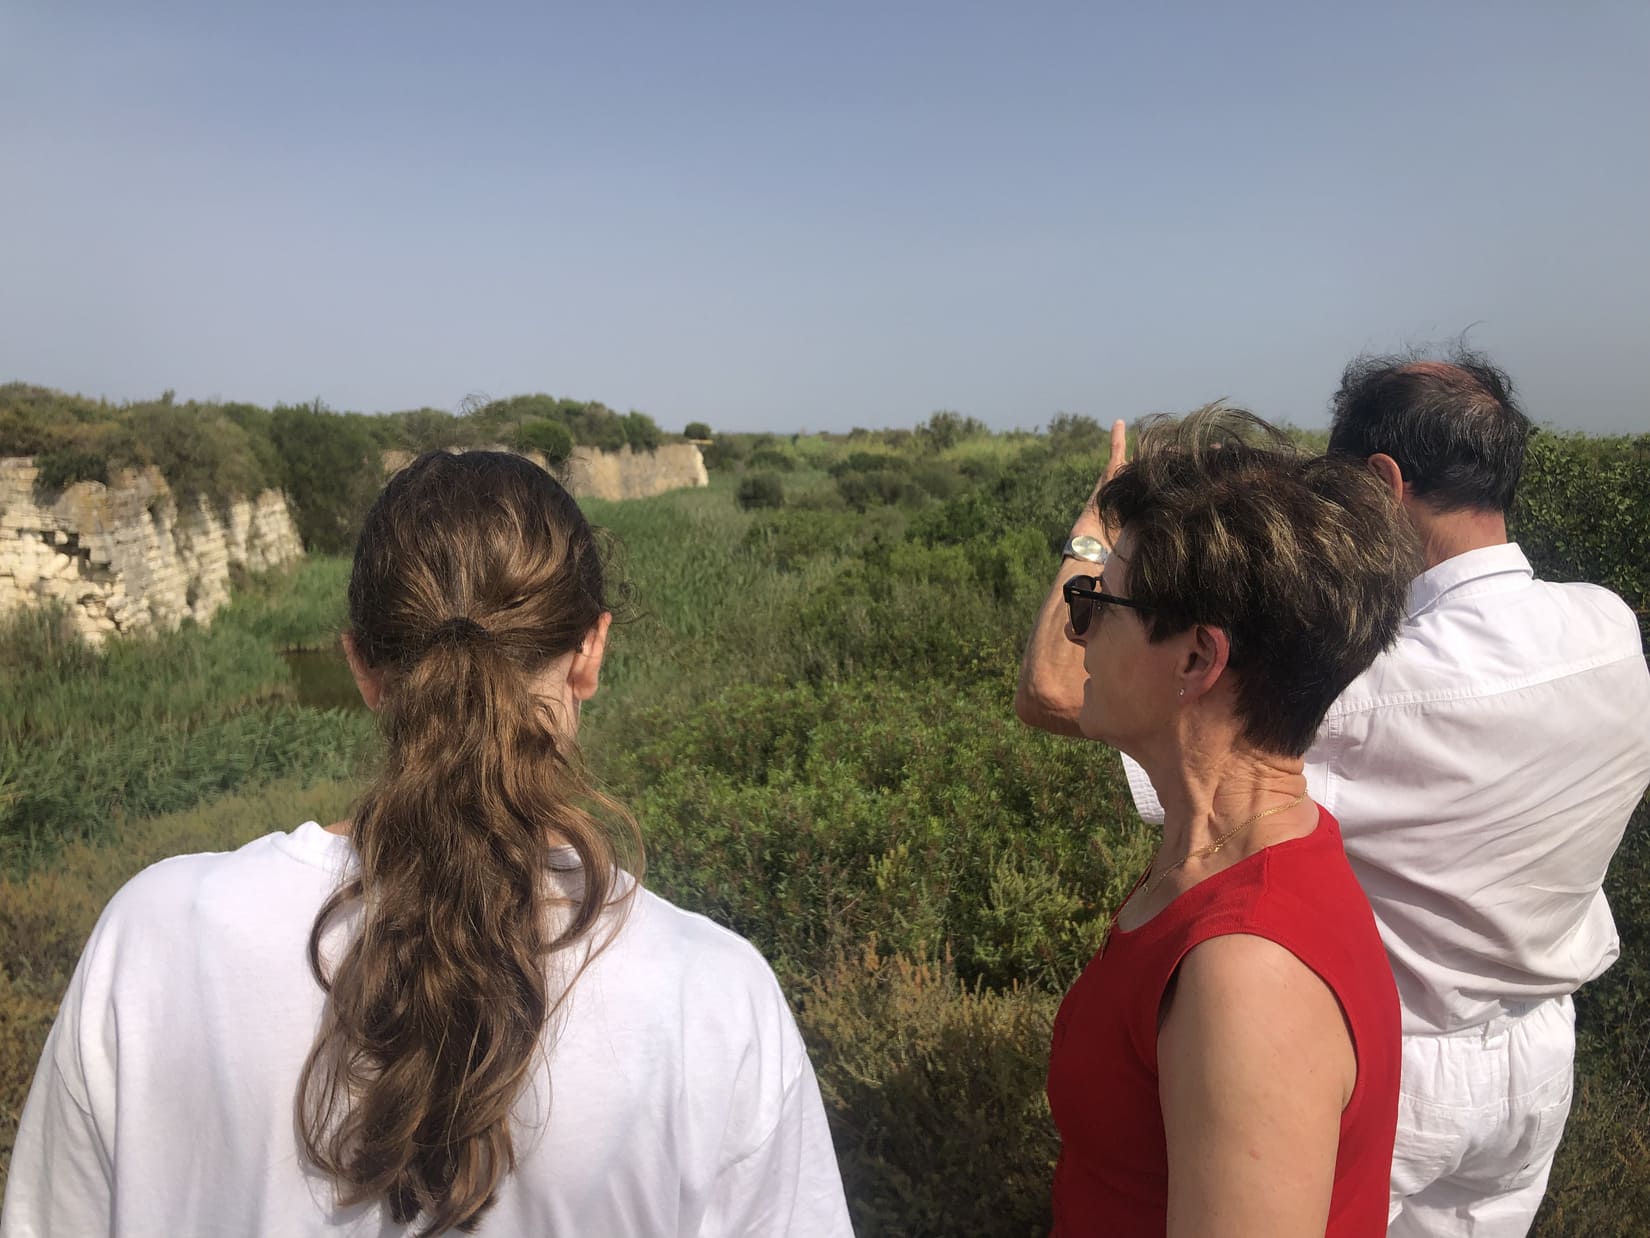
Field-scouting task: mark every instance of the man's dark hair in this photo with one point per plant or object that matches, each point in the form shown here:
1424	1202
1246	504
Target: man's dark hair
1452	426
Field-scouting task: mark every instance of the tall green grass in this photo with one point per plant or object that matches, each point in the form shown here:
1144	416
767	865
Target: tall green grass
159	722
303	606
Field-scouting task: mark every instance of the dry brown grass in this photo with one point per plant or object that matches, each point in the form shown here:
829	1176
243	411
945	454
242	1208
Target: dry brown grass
1600	1186
935	1091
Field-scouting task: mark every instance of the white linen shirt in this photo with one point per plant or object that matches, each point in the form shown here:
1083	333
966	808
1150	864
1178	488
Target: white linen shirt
1483	770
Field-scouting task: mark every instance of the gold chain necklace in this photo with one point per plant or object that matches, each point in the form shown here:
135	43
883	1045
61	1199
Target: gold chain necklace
1204	852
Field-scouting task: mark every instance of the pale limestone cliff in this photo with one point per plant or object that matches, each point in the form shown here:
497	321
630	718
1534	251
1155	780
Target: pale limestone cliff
623	474
124	557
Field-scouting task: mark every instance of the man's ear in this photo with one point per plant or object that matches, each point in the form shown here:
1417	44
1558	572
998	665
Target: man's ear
1205	660
1392	477
370	682
584	675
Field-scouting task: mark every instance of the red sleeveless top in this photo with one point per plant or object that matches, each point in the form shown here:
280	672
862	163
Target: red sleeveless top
1112	1178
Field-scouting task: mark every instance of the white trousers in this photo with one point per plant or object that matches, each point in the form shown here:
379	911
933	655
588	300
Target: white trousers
1480	1115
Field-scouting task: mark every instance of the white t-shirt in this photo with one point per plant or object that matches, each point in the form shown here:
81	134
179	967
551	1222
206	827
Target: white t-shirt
1483	771
679	1093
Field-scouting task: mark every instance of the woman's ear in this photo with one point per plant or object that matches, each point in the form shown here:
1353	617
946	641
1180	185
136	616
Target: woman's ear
1207	653
370	682
584	675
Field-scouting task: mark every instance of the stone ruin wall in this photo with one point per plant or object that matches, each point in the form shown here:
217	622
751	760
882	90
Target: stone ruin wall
127	557
624	474
591	473
124	557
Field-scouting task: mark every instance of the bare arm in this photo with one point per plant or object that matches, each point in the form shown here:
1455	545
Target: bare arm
1050	690
1255	1065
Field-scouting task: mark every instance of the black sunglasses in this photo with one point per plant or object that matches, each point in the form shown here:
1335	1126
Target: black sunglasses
1081	594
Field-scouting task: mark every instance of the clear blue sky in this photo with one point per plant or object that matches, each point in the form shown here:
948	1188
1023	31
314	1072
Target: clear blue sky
769	216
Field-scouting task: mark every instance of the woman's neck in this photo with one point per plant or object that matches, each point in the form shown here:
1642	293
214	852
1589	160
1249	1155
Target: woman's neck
1208	795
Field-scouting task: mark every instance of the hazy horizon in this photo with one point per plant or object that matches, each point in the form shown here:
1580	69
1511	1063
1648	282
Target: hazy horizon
771	220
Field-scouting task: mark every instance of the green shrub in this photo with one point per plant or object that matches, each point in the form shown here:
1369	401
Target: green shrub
1073	432
773	459
596	425
814	819
867	462
201	449
760	490
725	454
935	1093
498	421
799	535
591	423
1583	513
201	453
862	491
1037	492
333	471
641	432
696	429
941	481
945	429
255	422
60	469
551	438
429	429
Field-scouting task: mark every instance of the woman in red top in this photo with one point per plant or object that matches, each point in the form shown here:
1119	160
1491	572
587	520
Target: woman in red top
1228	1065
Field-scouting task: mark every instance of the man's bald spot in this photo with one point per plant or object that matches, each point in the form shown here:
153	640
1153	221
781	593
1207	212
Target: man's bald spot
1436	369
1480	400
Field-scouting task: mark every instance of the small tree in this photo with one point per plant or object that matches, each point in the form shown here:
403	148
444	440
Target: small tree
946	429
641	431
595	425
696	429
332	471
1073	432
760	490
544	435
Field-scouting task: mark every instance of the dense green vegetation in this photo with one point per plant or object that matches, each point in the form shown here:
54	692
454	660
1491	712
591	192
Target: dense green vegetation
808	706
161	722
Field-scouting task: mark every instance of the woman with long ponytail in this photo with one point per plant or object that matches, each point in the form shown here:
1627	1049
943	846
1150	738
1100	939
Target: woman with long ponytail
459	1010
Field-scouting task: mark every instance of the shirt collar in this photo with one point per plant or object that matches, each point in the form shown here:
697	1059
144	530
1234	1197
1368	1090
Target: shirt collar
1463	569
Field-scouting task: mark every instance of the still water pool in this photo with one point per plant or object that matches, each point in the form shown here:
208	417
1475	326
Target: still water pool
322	678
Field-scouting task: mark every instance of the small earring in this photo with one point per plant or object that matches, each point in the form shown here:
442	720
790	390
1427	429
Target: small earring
1183	692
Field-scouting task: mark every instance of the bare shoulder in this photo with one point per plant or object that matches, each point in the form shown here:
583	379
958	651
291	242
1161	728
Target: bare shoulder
1256	1006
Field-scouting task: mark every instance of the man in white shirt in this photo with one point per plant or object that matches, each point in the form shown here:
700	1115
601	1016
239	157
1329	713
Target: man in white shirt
1483	771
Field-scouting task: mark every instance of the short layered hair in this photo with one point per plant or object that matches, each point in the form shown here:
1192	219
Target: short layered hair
1453	426
1304	561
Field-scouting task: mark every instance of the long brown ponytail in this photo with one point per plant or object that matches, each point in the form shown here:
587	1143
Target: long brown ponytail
473	572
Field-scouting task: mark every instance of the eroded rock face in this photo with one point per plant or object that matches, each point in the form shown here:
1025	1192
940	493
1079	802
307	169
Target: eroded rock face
127	557
124	557
623	474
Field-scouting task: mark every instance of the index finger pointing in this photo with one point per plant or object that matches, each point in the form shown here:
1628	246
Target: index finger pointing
1119	449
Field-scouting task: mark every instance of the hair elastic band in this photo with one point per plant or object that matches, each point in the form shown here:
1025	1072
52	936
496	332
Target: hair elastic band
456	630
